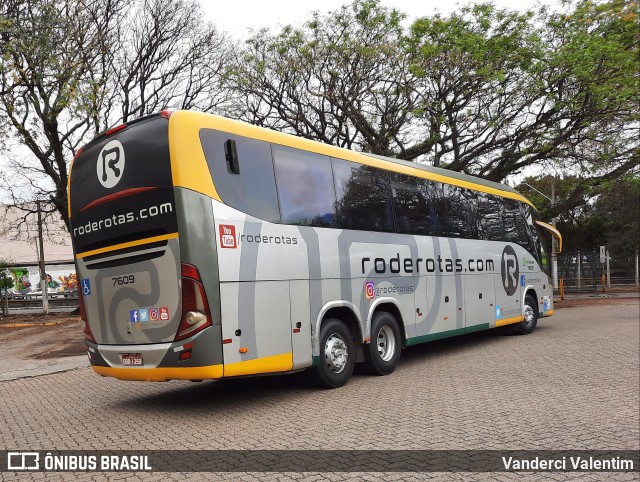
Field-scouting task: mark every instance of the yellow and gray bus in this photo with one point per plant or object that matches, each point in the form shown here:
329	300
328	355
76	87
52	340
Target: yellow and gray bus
209	248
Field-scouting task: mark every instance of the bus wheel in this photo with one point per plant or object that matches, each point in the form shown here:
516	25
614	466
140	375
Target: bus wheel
337	355
530	321
383	353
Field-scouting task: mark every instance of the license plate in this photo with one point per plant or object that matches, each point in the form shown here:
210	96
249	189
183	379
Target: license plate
132	359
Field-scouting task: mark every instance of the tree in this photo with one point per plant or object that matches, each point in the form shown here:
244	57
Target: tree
165	56
340	79
484	91
70	69
49	91
607	216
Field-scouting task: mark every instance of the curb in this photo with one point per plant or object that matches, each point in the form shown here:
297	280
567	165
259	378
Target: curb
26	325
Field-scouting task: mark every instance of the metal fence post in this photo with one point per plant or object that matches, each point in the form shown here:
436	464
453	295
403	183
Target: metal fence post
608	270
579	280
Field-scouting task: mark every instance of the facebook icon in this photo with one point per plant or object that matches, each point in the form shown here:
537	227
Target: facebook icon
133	316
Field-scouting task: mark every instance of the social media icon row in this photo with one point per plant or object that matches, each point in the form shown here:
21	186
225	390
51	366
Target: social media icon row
145	315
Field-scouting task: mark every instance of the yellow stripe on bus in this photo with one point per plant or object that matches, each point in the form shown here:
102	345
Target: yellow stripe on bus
130	244
509	321
160	374
190	169
267	364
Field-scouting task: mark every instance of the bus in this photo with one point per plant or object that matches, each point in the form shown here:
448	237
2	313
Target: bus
209	248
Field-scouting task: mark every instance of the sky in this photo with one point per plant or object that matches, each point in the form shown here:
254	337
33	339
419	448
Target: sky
237	17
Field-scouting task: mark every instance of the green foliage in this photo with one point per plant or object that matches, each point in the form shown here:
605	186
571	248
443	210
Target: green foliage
609	215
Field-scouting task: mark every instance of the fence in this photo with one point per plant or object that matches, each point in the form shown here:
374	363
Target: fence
583	271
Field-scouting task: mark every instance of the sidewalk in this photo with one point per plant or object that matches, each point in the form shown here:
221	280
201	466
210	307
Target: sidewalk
40	345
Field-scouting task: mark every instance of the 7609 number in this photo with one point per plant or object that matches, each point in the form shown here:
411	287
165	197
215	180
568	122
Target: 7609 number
123	280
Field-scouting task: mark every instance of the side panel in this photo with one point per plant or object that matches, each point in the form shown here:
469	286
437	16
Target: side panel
479	301
300	323
508	287
265	335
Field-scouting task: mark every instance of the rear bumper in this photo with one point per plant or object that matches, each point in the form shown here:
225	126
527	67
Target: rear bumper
160	374
162	361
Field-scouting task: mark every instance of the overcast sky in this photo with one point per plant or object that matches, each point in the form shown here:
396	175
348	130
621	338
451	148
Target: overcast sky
237	17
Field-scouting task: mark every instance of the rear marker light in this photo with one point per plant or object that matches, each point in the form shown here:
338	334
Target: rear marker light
244	349
227	341
296	330
185	355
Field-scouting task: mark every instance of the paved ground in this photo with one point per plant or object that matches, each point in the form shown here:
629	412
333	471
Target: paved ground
573	384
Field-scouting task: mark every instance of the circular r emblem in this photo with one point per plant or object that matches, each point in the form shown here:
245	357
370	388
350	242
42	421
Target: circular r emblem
509	270
110	164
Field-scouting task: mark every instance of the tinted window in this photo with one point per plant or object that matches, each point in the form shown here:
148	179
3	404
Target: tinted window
363	197
489	217
413	206
456	209
253	191
305	187
514	225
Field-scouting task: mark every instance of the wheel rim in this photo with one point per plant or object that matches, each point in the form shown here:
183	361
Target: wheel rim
529	316
386	343
336	354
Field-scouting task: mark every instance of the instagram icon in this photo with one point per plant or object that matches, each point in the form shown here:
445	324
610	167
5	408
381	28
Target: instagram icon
370	290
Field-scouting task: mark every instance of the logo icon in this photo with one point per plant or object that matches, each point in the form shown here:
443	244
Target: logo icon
153	314
522	280
144	314
227	236
509	270
133	316
164	313
498	311
370	290
86	286
110	164
23	460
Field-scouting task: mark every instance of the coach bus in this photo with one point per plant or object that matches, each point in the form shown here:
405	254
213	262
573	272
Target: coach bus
209	248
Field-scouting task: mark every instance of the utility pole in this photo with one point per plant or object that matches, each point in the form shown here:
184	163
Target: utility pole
43	275
554	241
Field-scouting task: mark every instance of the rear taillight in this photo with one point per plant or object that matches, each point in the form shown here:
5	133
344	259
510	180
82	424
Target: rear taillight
166	113
83	316
195	308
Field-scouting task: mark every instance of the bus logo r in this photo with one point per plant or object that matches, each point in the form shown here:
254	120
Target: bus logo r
370	290
227	236
110	164
509	270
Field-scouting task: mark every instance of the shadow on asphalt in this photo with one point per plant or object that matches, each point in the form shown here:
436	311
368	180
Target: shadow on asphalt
258	390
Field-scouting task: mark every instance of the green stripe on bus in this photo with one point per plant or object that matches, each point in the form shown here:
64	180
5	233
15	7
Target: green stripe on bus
480	327
446	334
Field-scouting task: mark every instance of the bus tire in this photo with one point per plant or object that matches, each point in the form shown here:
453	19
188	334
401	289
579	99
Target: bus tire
382	354
337	355
530	321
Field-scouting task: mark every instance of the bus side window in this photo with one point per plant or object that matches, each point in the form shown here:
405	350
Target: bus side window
456	207
489	218
305	187
514	224
253	190
363	197
413	205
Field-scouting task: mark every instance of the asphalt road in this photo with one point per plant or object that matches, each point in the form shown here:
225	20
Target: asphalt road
572	384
